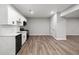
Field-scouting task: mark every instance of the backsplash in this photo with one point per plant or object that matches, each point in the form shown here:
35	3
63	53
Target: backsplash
9	29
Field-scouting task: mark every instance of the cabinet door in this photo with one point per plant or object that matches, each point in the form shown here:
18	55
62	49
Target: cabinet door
3	14
7	45
20	21
12	16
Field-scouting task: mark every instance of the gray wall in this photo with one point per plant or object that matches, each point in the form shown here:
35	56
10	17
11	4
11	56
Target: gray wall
72	27
38	26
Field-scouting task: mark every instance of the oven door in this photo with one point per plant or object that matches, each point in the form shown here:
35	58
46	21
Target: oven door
18	43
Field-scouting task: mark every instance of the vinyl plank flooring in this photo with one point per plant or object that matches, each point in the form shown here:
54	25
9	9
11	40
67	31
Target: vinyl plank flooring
47	45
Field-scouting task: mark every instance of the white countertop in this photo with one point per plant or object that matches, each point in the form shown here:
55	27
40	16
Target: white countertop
12	34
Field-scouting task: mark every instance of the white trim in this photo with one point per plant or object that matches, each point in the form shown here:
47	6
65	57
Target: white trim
61	39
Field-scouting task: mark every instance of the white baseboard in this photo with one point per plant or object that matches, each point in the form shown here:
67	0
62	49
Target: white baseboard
61	39
72	35
39	35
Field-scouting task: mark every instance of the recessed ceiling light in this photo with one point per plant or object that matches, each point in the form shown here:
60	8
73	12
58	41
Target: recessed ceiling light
31	11
52	12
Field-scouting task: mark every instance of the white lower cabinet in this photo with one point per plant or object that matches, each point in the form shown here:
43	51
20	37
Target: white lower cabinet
24	36
10	45
7	45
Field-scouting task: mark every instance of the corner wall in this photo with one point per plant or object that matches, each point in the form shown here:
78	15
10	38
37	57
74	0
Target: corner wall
53	24
58	27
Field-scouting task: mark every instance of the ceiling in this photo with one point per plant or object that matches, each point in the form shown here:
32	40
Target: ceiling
40	10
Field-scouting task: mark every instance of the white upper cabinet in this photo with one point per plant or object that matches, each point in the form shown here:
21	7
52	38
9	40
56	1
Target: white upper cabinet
3	14
10	16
